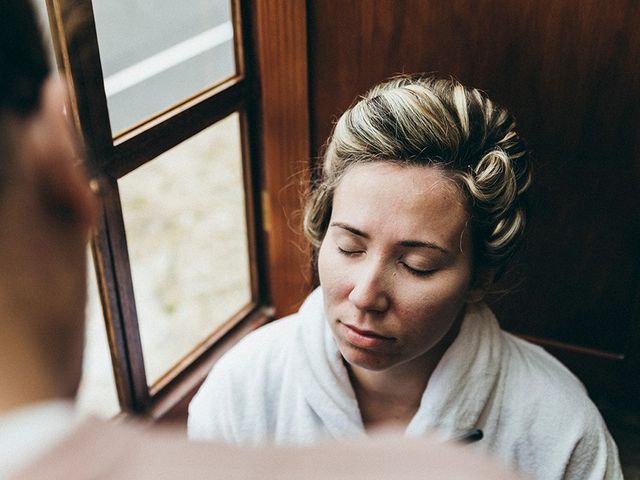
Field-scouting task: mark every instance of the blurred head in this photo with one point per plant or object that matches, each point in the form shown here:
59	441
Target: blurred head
436	122
24	67
46	211
23	58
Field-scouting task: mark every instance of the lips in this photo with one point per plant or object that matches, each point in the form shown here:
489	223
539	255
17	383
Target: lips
364	338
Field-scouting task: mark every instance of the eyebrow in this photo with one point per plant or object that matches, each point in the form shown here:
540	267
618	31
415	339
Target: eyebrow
404	243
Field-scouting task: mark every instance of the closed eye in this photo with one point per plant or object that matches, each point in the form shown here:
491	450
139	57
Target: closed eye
349	252
418	272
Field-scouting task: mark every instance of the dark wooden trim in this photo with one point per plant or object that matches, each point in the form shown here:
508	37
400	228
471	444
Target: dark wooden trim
240	30
251	134
103	261
171	401
574	349
281	46
116	295
115	279
250	172
172	128
76	45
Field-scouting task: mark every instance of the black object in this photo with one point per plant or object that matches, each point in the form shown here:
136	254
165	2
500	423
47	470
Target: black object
470	437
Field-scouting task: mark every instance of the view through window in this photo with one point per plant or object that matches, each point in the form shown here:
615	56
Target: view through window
155	54
185	219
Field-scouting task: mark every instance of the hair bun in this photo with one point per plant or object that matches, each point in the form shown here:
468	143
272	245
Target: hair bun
495	185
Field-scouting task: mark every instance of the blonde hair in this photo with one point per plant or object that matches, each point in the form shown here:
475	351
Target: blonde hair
438	122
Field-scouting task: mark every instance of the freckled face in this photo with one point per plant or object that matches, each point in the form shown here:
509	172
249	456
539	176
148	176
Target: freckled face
395	264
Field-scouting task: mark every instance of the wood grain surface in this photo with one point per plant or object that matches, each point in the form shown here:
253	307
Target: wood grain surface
569	71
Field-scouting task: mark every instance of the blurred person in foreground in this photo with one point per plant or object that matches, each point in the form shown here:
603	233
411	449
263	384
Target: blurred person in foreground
46	214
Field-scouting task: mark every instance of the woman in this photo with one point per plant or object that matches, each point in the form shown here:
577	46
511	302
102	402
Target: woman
420	206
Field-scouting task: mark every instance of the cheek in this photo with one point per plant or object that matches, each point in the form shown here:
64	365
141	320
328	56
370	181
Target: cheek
436	302
324	269
332	275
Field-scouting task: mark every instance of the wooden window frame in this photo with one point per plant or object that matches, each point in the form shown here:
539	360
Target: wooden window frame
270	93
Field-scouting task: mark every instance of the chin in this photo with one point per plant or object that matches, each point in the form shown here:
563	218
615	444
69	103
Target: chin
366	359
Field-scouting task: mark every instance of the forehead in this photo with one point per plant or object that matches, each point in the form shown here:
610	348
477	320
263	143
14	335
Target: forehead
403	202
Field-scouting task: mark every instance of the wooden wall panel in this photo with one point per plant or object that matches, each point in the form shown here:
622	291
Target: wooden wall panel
281	48
570	72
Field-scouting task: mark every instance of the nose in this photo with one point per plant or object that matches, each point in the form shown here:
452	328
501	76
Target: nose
370	288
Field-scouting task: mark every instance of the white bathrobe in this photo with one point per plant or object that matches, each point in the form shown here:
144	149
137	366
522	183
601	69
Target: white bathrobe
286	383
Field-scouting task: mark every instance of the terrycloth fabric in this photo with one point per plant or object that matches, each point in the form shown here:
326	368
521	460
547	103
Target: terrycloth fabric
286	383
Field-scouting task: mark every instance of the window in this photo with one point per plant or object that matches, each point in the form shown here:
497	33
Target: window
155	55
195	118
185	220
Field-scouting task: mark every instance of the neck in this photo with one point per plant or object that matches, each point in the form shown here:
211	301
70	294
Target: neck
392	397
24	377
26	367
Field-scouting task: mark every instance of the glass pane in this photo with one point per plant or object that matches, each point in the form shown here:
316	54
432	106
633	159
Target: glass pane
155	54
184	214
97	394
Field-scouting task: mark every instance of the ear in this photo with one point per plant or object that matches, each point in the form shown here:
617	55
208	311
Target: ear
482	284
58	172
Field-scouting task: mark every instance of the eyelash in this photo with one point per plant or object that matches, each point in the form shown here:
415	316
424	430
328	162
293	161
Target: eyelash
418	273
412	271
348	253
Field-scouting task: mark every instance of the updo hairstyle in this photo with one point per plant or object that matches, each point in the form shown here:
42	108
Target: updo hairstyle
436	122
